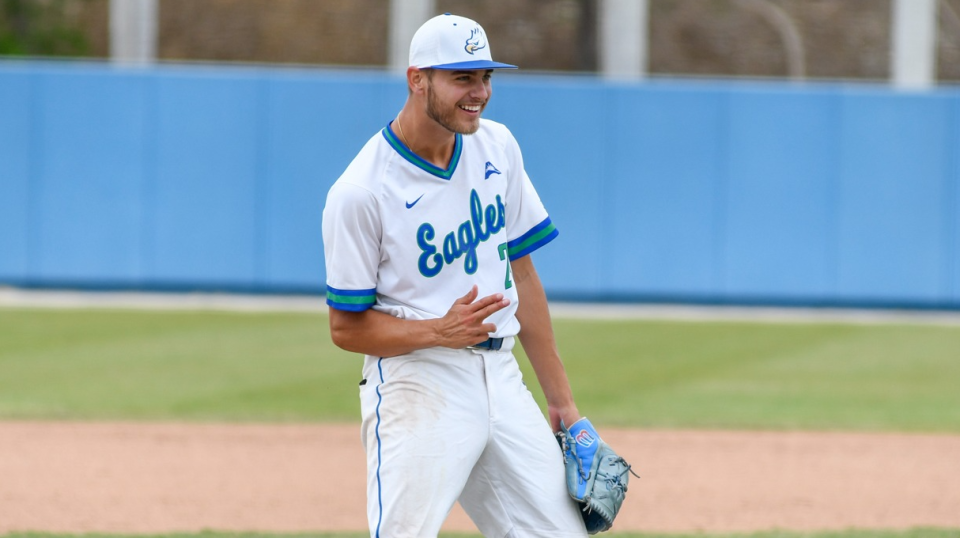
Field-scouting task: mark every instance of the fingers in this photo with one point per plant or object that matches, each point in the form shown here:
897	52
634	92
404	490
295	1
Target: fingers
465	323
473	313
490	304
485	306
469	297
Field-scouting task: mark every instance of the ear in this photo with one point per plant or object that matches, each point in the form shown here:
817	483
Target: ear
416	79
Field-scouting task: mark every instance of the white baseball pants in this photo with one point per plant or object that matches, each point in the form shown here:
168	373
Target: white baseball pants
442	425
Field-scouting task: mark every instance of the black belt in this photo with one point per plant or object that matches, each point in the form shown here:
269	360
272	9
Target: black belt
493	344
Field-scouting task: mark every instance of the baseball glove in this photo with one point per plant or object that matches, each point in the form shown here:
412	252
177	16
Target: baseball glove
597	477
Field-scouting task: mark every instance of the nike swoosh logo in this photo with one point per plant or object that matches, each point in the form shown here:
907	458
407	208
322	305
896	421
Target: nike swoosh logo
413	203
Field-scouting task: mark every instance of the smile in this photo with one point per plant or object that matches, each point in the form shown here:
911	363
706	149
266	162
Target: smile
470	108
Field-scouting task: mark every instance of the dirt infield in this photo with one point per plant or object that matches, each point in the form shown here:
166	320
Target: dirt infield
135	477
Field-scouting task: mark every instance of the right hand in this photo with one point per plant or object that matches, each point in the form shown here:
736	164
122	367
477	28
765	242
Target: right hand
463	325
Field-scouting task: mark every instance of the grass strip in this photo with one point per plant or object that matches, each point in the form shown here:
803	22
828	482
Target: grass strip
280	367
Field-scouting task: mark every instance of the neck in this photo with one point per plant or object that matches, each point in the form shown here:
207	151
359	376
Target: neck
428	139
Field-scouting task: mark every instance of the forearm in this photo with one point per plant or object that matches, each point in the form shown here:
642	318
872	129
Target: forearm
375	333
536	336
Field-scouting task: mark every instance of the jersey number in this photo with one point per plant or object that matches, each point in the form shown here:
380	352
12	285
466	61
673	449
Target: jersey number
507	283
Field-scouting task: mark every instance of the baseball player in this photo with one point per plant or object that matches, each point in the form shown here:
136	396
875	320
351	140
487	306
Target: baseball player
427	237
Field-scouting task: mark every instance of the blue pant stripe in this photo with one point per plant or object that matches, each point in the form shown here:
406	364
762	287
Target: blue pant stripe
379	458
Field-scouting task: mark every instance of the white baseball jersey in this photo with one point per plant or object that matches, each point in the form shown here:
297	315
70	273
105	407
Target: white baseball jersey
407	238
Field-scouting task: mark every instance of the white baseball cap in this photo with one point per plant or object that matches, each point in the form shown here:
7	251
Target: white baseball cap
451	42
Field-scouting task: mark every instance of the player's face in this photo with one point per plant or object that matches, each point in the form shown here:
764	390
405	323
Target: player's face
455	99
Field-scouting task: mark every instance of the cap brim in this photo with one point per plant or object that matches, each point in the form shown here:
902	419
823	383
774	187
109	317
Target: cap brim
474	64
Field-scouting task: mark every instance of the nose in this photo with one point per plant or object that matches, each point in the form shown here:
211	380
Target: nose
480	90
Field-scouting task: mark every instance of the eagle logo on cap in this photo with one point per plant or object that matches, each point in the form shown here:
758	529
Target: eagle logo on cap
476	41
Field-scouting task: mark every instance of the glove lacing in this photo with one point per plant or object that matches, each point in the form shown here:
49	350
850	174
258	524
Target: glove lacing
614	482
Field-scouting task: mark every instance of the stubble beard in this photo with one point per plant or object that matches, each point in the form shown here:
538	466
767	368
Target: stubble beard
446	118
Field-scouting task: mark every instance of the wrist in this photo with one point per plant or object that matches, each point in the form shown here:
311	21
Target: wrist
433	335
567	413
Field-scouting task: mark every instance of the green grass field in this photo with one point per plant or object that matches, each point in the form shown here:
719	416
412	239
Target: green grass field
217	366
272	367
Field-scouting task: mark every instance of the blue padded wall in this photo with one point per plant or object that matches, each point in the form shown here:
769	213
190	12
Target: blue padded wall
663	222
88	178
204	194
214	178
16	135
953	202
779	200
895	214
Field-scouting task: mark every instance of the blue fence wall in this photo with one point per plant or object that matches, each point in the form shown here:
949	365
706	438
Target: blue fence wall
214	178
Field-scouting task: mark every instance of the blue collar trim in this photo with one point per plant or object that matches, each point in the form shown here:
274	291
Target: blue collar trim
420	163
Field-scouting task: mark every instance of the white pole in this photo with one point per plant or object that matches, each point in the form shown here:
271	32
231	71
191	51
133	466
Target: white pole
133	31
623	38
406	16
914	42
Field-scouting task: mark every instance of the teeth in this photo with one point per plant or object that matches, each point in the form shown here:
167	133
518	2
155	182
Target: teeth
471	108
